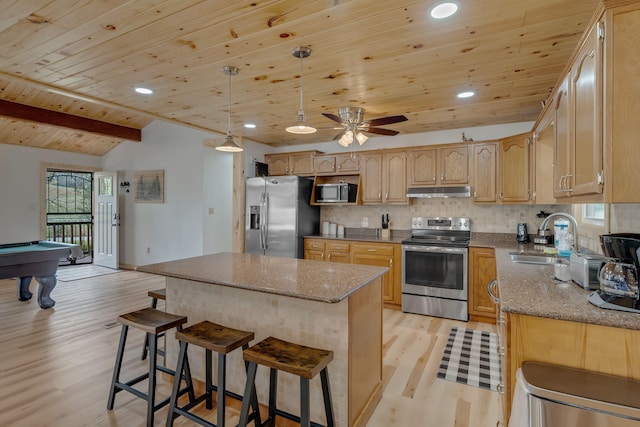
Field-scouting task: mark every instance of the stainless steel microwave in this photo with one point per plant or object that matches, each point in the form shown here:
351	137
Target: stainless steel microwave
342	192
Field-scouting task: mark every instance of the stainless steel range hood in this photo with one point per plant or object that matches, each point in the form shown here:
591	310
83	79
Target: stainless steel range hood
443	192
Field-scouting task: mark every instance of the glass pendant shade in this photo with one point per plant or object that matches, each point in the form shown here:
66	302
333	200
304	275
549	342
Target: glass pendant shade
229	145
362	138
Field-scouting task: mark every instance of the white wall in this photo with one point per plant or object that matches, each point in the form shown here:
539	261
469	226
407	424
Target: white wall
20	188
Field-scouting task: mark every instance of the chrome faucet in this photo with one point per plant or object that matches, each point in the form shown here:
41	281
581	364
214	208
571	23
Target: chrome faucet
543	226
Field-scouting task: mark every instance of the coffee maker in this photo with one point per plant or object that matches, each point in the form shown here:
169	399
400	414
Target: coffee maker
619	287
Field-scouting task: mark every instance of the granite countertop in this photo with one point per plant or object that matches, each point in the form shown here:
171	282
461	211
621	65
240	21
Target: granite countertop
530	289
298	278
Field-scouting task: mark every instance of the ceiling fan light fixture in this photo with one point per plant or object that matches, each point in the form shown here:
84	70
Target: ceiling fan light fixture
346	139
229	145
301	127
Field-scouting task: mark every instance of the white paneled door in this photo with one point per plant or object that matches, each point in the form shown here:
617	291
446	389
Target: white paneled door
106	220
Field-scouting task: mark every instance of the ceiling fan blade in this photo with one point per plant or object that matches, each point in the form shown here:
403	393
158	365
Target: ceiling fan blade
381	131
332	117
338	136
387	120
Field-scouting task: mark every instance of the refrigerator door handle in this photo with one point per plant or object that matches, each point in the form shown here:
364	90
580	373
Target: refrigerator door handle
262	221
266	221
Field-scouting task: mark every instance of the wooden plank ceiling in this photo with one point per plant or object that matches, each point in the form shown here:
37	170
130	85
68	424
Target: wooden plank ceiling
84	58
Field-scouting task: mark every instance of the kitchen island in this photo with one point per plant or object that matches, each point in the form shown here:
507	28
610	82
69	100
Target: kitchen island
549	321
325	305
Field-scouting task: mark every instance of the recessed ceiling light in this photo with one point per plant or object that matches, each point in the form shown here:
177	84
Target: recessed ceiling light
249	125
443	10
143	90
468	94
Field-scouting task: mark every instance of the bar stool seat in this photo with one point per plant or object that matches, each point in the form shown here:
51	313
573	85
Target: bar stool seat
305	362
213	338
153	322
155	295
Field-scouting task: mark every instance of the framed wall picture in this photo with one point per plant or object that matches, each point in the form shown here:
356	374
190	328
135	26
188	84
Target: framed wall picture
149	186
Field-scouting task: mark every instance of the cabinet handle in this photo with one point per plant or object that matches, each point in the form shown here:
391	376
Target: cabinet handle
379	195
501	196
386	195
500	351
328	257
500	388
390	262
441	177
434	178
475	194
568	183
490	287
371	250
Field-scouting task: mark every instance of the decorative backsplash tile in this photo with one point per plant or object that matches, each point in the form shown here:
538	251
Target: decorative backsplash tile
625	218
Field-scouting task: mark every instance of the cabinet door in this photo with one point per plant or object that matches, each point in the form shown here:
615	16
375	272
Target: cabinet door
484	173
338	252
454	165
278	164
324	164
347	163
372	182
422	167
586	92
314	249
482	270
543	144
562	166
514	169
372	258
394	176
301	164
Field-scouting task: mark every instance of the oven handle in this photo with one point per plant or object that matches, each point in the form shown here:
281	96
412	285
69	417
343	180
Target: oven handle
434	249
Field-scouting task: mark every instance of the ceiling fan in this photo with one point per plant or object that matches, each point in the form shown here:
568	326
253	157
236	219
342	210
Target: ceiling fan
353	124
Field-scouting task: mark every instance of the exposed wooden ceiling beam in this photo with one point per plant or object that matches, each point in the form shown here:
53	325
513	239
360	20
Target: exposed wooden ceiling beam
55	118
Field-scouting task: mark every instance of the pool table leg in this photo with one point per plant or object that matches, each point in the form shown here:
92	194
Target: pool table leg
23	288
47	284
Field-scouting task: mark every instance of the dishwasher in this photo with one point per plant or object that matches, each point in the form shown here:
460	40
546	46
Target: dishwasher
549	396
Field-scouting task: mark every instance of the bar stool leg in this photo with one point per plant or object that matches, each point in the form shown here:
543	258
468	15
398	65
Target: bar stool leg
151	396
117	367
145	348
176	382
273	392
254	396
305	416
249	389
222	387
326	394
208	379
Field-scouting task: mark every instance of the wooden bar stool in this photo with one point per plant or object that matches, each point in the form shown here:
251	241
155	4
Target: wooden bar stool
305	362
153	322
213	338
155	296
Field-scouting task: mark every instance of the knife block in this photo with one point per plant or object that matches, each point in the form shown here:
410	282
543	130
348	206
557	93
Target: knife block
385	233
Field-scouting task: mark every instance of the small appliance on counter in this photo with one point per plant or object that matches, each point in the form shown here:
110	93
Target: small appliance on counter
544	237
585	269
619	289
522	236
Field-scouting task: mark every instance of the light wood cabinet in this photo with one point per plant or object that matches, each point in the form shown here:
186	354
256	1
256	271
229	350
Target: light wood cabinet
514	169
384	178
578	107
542	165
336	164
314	249
299	163
484	171
382	255
447	165
367	253
482	270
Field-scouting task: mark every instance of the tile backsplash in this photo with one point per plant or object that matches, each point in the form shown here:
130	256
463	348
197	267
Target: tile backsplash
484	218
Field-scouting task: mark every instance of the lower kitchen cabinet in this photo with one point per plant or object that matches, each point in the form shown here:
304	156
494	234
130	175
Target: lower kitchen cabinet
482	270
366	253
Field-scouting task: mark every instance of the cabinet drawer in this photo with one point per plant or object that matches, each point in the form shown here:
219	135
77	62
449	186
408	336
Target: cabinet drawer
337	246
314	244
372	248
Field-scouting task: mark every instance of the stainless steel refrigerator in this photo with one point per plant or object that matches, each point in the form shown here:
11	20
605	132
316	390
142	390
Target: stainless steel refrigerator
278	215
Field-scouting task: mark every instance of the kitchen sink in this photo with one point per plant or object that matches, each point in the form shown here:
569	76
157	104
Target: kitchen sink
529	258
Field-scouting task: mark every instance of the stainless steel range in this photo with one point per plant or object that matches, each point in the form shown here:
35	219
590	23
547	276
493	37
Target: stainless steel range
434	267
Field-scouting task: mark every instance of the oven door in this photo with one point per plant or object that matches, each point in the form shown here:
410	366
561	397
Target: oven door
435	271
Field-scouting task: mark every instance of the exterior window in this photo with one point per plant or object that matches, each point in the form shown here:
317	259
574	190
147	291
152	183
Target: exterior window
593	212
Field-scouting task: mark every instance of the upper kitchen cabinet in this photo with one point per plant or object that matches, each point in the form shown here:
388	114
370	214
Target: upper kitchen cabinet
484	172
578	107
336	164
514	169
447	165
300	163
384	178
542	164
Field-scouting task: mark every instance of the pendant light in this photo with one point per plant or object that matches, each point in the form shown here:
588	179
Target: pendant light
229	145
301	127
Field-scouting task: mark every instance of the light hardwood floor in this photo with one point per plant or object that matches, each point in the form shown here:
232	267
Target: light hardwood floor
56	365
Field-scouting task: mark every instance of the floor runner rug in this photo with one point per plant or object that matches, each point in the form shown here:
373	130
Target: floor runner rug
77	272
471	357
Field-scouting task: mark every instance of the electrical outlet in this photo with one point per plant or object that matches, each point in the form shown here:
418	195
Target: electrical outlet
148	250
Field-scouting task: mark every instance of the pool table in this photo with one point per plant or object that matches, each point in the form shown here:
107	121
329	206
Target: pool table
37	259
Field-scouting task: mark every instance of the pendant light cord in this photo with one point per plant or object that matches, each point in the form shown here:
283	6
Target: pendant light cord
229	108
301	83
